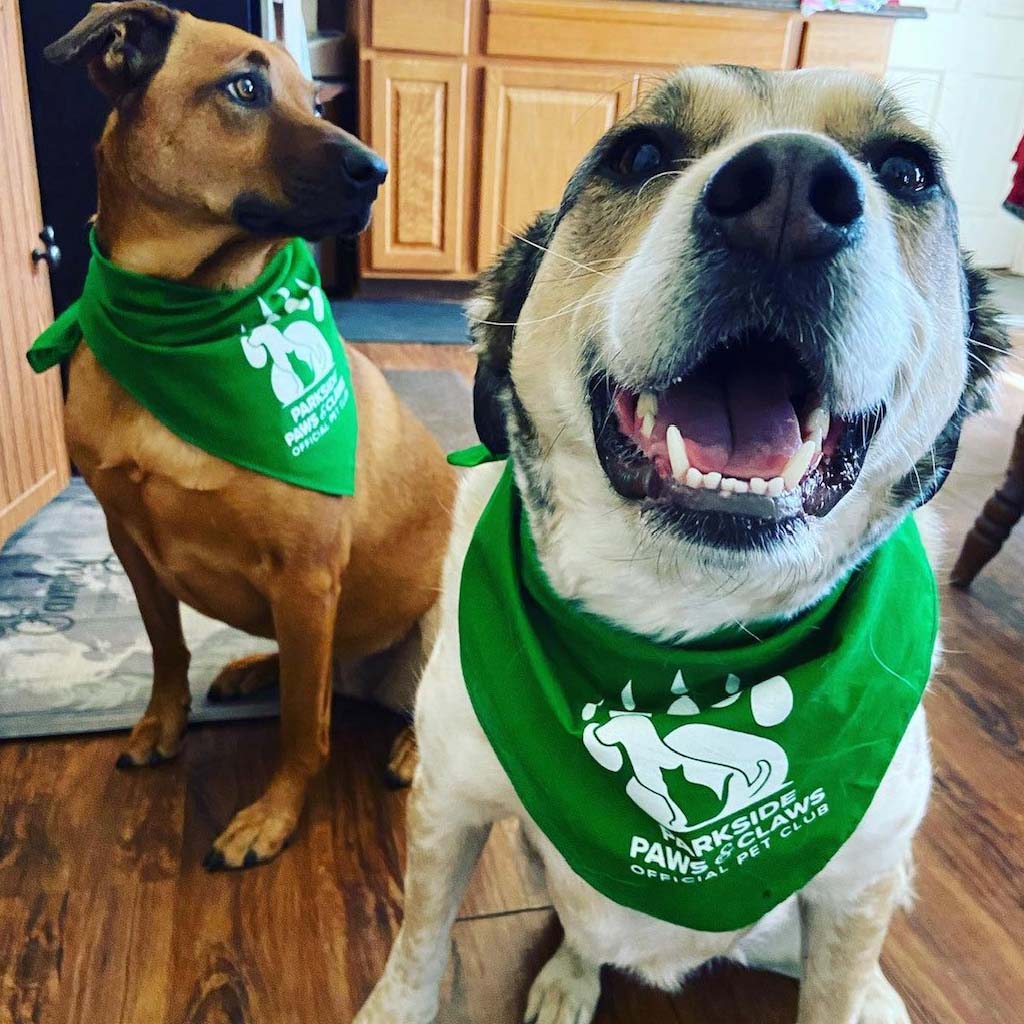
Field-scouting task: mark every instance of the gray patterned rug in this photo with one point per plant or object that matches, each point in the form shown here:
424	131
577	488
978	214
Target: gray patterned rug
73	654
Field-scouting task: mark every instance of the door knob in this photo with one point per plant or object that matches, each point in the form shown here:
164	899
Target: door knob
50	250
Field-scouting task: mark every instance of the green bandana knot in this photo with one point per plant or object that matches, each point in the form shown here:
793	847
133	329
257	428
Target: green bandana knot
257	376
702	783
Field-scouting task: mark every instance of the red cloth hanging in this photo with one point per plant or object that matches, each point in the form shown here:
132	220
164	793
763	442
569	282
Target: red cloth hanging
1015	200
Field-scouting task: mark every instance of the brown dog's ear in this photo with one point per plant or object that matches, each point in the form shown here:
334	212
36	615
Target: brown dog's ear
124	44
493	312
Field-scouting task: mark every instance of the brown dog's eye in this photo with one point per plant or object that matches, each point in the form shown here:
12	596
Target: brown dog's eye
318	109
243	89
248	90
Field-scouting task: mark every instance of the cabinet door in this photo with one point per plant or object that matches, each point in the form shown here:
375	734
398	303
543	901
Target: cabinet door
417	118
538	124
33	461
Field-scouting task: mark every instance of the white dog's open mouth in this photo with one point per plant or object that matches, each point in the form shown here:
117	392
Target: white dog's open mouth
746	436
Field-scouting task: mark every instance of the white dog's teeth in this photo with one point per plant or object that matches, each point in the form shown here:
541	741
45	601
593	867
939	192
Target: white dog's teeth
694	478
647	425
728	485
647	404
799	464
818	422
776	486
740	486
712	481
758	485
676	452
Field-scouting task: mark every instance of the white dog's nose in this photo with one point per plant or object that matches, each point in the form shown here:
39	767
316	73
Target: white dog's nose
789	197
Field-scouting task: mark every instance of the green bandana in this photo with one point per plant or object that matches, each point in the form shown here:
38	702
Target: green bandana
701	784
258	376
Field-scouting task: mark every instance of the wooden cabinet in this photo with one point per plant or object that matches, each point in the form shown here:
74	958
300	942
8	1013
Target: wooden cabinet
538	124
33	461
417	125
483	108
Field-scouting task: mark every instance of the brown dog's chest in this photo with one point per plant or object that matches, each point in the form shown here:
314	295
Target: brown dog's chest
226	540
215	535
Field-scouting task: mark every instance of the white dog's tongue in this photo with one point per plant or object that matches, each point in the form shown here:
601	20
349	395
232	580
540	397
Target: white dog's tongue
741	426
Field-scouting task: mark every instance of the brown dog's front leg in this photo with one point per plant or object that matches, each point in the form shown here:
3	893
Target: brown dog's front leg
157	736
304	626
842	981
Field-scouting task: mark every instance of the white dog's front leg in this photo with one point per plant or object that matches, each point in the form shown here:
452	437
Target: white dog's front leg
842	982
443	850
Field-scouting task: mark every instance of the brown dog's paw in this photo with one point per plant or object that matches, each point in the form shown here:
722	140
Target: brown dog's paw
405	756
154	740
257	834
244	677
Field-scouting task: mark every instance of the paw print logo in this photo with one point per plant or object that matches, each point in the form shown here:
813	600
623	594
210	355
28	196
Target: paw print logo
740	768
301	346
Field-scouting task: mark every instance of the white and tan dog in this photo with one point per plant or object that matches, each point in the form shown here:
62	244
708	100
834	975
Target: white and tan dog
776	226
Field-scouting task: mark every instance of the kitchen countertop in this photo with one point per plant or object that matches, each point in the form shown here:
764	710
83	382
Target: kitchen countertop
794	5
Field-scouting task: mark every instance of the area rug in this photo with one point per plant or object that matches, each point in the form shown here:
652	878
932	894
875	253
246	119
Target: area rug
424	321
73	653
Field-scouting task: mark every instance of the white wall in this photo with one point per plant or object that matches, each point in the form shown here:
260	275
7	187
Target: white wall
962	71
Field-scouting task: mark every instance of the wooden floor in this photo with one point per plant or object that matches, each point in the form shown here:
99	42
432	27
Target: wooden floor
106	916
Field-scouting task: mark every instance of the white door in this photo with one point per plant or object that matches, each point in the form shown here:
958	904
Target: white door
962	70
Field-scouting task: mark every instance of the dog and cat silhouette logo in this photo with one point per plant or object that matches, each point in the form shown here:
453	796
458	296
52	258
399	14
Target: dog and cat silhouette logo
298	351
304	375
737	769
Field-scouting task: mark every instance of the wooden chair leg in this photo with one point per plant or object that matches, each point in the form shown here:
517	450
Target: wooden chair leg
999	516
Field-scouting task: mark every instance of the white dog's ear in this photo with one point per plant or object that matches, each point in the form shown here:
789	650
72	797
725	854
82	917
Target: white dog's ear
987	344
987	339
493	312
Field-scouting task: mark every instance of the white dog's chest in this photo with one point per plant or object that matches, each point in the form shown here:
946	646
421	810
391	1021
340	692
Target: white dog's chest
606	932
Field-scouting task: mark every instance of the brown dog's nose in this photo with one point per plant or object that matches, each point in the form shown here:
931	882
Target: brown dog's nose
789	197
363	167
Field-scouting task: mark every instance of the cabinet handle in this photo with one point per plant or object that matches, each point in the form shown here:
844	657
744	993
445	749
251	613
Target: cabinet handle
50	250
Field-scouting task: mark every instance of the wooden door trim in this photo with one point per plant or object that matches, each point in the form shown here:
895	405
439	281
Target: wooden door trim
33	459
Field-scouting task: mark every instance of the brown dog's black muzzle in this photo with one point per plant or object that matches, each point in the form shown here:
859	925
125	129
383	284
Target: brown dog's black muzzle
329	180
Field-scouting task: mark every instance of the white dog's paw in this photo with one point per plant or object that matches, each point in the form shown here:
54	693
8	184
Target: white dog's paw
882	1004
565	992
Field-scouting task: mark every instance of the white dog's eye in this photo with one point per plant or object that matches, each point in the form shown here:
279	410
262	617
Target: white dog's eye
906	171
638	157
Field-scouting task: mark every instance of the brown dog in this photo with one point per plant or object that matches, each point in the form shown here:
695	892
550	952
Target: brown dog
198	184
